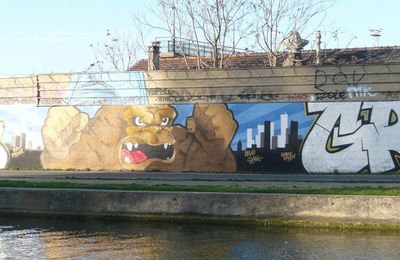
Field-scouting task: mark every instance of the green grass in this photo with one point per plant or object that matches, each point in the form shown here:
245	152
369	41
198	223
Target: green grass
233	188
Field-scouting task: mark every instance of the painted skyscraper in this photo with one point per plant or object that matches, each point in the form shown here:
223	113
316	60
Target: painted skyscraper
249	137
283	137
260	136
265	137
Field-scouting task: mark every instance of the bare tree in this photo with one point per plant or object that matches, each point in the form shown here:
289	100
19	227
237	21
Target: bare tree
118	52
212	30
277	19
204	28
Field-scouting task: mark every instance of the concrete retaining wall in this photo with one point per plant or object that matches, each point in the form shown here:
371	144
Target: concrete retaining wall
310	119
272	206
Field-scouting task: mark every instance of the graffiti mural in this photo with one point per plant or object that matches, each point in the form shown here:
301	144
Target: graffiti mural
351	137
295	119
139	138
4	153
269	136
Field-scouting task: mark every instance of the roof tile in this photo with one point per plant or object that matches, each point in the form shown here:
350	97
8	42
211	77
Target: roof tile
371	55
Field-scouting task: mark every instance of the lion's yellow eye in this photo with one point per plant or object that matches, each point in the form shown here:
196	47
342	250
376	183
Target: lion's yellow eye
137	121
165	121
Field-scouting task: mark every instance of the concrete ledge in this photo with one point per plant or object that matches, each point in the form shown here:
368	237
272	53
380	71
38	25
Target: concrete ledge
372	209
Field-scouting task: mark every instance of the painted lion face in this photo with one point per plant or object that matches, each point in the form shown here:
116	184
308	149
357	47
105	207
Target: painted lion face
148	138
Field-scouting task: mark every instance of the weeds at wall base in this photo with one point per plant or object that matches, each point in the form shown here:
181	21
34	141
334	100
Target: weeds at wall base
364	191
294	225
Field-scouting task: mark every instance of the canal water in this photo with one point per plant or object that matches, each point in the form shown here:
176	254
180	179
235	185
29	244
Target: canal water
41	238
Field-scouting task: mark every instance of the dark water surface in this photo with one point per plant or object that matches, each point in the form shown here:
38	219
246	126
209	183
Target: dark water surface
42	238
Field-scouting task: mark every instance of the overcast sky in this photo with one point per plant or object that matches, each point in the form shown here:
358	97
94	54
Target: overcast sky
48	36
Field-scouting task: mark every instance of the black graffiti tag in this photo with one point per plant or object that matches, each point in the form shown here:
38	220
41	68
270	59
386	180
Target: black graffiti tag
321	79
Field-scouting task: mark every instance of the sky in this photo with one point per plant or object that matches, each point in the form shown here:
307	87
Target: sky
54	36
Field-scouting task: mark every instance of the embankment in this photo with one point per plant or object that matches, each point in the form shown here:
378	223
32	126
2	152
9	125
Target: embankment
259	208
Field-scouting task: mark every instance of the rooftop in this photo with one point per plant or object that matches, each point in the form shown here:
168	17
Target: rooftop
369	55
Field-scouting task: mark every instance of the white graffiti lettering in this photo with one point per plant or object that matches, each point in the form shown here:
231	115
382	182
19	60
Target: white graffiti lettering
350	137
359	91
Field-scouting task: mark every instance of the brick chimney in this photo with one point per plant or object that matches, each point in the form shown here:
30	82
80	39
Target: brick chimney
154	56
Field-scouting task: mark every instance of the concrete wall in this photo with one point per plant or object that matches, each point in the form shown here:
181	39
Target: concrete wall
288	84
305	119
257	206
294	84
346	137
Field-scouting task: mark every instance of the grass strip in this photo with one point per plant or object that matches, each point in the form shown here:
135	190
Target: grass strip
199	188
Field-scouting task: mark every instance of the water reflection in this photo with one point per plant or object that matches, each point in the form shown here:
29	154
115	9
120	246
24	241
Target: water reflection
39	238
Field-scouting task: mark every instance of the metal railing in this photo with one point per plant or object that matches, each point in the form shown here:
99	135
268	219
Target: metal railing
189	47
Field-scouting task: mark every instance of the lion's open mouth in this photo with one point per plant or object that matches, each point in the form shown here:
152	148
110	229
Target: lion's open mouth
134	153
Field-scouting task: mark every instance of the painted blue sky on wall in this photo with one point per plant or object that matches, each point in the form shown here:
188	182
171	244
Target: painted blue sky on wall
29	120
251	115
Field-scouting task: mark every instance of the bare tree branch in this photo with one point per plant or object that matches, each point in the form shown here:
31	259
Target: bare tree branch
117	53
206	24
279	18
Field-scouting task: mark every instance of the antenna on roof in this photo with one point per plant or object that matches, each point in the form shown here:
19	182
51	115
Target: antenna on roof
375	34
